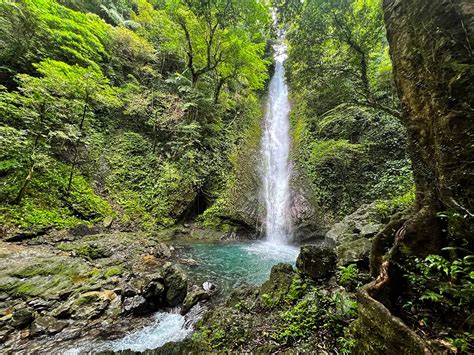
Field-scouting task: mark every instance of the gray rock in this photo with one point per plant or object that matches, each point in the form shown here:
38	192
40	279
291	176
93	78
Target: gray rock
317	261
195	294
47	325
91	305
22	317
176	285
355	251
161	250
135	304
5	333
366	222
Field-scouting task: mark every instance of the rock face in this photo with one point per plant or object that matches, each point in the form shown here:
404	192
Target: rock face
176	285
317	261
431	51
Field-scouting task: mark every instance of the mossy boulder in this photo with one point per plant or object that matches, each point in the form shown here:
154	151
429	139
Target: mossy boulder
176	285
47	325
356	251
317	261
22	317
274	290
91	305
195	294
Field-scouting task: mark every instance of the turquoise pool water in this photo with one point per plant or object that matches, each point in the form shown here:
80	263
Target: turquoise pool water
229	264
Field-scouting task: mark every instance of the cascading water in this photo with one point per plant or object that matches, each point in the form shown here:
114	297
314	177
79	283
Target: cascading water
275	152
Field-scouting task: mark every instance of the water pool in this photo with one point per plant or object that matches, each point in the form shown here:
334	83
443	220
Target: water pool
229	264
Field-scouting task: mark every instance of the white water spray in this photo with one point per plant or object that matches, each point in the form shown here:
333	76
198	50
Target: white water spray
275	152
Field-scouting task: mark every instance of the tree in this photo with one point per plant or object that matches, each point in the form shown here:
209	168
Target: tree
341	45
56	106
220	34
434	77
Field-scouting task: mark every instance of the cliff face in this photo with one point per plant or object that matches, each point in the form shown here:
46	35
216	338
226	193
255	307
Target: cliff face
431	46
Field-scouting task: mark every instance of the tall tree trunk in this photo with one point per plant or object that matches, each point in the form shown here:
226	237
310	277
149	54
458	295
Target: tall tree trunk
431	50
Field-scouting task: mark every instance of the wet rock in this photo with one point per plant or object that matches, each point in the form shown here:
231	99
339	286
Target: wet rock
274	290
149	286
22	317
208	286
176	285
161	251
83	230
135	304
47	325
40	304
5	332
195	294
317	261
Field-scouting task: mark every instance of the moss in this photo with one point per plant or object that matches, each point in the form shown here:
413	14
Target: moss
114	271
45	279
397	203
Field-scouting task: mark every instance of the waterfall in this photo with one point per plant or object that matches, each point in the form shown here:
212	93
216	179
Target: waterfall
275	153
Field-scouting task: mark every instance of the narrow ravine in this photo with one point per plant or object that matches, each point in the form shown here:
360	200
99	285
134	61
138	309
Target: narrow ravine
231	264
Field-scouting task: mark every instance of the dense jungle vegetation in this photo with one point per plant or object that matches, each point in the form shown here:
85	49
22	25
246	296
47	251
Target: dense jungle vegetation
125	108
126	123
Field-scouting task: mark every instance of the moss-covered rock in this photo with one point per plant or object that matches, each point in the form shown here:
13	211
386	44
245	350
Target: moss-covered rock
274	290
317	261
176	284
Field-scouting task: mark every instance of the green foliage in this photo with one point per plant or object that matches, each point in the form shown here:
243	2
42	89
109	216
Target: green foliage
441	288
316	312
398	203
120	103
347	275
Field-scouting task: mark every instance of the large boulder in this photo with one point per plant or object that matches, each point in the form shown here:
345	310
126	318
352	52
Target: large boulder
356	251
274	290
317	261
176	285
142	292
195	294
355	233
22	316
366	222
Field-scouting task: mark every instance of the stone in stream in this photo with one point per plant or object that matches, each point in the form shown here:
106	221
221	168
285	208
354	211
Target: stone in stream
195	294
317	261
176	285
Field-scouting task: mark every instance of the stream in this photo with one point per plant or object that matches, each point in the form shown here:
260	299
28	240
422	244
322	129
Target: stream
226	264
